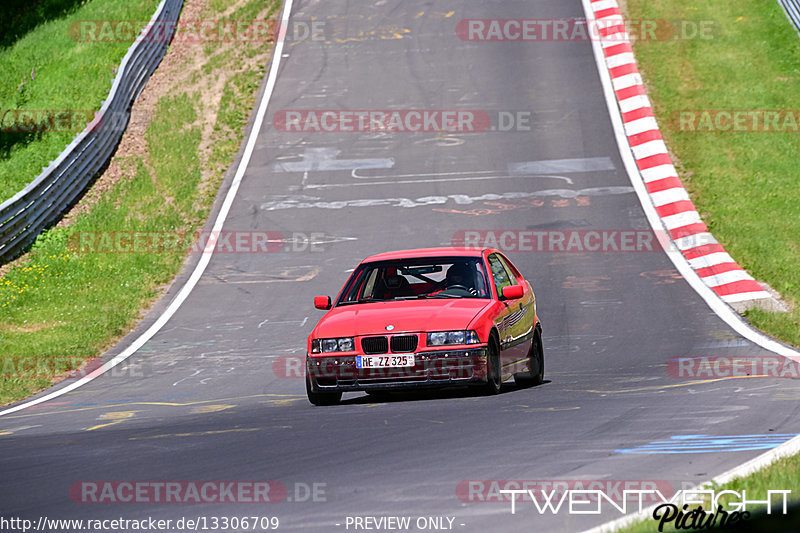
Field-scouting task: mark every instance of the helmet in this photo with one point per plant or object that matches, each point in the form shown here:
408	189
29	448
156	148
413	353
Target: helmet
460	274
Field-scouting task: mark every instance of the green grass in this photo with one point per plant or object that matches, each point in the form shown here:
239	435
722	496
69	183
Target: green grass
60	305
51	68
745	184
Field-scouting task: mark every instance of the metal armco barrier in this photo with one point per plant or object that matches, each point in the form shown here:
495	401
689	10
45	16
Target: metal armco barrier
792	9
43	201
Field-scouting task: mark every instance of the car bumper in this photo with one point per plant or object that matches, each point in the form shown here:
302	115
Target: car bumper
440	368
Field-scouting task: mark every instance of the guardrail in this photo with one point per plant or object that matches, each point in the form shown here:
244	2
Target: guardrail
792	10
43	201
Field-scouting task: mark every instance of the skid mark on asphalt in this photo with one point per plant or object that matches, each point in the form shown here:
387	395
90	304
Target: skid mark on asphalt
587	283
494	208
662	277
287	275
531	409
314	202
711	444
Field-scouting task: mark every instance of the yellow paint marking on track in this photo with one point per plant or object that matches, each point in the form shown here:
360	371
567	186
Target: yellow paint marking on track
10	431
284	402
159	404
116	417
676	385
202	433
210	408
99	426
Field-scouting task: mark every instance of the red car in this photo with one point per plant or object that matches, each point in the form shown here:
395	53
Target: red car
426	318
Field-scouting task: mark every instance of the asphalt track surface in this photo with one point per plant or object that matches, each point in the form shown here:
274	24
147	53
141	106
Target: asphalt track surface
206	399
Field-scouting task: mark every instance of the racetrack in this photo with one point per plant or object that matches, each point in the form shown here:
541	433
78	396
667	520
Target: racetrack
212	397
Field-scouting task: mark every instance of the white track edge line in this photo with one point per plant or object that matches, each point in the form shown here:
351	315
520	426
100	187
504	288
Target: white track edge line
187	288
720	308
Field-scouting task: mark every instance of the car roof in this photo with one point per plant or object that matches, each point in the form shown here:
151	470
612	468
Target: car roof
448	251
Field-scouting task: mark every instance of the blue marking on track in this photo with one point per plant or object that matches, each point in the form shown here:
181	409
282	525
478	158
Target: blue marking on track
711	444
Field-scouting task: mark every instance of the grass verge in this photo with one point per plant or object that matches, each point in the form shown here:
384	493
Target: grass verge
59	306
38	73
743	183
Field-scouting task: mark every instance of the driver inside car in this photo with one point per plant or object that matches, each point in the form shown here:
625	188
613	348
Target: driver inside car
460	275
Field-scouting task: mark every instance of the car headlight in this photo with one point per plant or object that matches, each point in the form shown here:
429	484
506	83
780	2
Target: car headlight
441	338
343	344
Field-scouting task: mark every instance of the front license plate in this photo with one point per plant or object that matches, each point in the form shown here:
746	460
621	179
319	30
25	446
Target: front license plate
384	361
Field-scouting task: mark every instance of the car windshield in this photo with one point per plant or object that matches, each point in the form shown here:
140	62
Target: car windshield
447	277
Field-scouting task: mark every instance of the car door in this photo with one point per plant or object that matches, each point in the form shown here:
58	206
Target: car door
510	321
524	316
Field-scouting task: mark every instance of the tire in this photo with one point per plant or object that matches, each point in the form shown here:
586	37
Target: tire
494	379
321	398
535	374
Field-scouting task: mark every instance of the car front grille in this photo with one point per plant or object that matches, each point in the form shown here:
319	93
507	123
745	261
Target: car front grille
373	345
404	343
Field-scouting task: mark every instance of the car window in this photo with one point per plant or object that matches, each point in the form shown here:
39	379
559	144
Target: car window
446	277
512	272
369	286
500	275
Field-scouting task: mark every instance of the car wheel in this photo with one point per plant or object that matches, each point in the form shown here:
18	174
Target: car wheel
321	398
494	379
535	375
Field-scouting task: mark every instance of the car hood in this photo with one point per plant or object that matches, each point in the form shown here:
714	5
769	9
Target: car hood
405	315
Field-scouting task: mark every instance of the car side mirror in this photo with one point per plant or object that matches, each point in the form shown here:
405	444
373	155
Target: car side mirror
322	302
512	292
